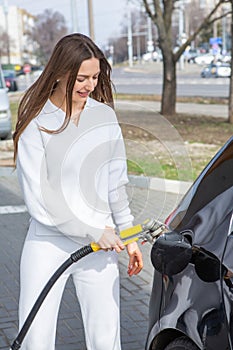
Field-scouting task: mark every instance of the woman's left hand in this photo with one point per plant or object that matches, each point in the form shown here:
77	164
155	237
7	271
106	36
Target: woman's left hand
135	259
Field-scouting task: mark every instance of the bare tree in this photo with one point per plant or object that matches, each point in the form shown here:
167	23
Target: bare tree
161	14
49	28
120	49
4	38
5	43
139	30
193	15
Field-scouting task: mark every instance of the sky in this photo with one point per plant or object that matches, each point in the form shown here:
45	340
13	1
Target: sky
107	18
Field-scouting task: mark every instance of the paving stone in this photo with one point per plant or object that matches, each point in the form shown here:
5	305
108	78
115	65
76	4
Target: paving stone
135	291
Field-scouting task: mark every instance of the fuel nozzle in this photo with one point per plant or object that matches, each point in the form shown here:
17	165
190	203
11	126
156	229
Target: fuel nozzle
146	232
152	229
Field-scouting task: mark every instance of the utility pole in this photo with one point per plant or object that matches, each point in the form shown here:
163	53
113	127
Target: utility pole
130	36
224	31
150	44
91	20
73	7
181	31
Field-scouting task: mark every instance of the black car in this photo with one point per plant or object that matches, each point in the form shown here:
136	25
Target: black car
191	304
10	79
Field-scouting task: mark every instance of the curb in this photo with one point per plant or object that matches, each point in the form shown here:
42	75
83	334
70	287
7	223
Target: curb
159	184
152	183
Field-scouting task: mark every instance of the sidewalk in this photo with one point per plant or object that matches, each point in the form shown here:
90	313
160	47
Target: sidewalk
135	291
157	67
198	109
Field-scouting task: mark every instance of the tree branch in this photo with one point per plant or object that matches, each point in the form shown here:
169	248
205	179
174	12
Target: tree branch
219	17
204	23
153	16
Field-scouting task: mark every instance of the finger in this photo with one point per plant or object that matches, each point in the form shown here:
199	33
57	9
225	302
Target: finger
135	265
136	256
118	248
134	270
120	244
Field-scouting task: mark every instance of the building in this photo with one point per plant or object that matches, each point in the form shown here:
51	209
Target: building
16	48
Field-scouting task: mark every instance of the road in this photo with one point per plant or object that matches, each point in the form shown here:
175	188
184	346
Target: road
149	81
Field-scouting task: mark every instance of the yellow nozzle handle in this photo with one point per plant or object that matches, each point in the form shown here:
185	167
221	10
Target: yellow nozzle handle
127	236
95	246
131	234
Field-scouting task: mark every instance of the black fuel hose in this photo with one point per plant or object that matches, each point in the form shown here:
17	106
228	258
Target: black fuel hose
74	257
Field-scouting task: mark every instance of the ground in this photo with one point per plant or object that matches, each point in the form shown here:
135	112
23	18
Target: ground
192	128
151	138
201	136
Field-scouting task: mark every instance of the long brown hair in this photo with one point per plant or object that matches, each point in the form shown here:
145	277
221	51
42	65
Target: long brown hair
67	57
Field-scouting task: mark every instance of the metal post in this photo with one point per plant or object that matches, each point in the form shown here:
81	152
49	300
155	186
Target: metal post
224	32
91	20
181	31
130	36
150	44
138	47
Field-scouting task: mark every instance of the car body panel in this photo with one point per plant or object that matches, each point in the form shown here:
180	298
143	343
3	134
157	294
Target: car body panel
218	70
10	79
204	59
5	113
184	304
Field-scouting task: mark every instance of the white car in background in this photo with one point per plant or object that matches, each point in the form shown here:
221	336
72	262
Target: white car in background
206	58
151	56
5	113
217	70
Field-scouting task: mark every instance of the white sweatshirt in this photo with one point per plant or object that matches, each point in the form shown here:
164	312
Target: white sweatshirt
74	182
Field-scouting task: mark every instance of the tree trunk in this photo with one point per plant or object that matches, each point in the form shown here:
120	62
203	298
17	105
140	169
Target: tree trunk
230	104
168	105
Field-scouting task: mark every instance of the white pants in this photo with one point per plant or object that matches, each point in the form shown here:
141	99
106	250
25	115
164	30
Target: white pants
96	279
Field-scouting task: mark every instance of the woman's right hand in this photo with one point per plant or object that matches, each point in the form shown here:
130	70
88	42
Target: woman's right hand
110	240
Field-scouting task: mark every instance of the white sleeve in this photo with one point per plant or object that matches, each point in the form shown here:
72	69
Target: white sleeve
29	161
118	179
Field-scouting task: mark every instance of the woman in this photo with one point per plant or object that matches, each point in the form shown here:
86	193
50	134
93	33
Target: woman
71	167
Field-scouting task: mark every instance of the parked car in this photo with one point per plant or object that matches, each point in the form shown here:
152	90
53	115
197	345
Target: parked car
191	305
152	56
204	59
5	113
191	54
226	58
10	79
217	70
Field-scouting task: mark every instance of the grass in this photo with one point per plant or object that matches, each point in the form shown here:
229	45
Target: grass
14	108
164	169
